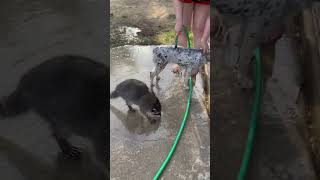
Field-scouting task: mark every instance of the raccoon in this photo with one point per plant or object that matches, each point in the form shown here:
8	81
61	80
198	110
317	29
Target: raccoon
69	92
137	92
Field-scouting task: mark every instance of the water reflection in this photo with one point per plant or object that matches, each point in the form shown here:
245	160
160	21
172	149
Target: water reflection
135	122
32	167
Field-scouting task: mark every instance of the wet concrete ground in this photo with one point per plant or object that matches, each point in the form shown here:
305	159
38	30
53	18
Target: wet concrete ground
151	17
280	151
137	147
30	32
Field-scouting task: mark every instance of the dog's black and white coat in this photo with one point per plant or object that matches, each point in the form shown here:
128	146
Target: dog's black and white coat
190	59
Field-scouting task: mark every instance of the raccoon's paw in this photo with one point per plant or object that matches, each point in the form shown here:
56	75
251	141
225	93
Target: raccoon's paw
131	109
72	152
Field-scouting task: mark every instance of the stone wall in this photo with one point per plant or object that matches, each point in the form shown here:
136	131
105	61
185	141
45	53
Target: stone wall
311	60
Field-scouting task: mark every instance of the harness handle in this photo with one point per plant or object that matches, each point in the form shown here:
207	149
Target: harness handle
187	35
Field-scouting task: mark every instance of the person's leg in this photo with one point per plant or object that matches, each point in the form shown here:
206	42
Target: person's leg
205	36
183	18
200	17
201	13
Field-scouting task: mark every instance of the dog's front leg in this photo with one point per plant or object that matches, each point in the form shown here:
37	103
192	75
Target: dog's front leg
152	75
155	73
188	73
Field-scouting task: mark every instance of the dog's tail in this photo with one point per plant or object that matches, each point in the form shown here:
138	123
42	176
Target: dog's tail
114	94
12	105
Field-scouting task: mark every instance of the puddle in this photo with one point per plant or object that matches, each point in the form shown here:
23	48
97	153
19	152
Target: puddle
130	33
124	35
134	62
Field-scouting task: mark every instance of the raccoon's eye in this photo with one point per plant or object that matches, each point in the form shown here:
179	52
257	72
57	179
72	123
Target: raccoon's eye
154	109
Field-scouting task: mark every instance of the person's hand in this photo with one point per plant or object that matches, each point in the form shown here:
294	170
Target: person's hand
204	46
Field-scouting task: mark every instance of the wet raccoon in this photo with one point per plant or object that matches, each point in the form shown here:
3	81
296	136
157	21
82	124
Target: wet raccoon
137	92
69	92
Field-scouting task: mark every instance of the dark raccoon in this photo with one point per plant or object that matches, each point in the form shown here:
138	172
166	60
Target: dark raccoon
137	92
69	92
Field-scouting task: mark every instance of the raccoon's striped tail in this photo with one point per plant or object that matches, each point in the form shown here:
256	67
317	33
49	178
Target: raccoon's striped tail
12	105
114	94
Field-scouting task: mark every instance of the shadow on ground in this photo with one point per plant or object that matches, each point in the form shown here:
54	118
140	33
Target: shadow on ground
34	168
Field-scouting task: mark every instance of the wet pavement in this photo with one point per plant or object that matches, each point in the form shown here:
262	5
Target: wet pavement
149	18
30	32
280	151
137	147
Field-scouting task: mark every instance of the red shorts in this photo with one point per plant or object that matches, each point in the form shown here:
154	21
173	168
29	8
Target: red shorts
204	2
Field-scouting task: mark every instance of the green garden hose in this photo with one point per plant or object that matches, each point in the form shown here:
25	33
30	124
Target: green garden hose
254	117
166	161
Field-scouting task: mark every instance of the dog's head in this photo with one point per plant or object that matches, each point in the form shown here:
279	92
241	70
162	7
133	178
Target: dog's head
159	55
156	50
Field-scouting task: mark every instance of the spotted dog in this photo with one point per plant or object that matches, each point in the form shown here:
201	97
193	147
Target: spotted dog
189	59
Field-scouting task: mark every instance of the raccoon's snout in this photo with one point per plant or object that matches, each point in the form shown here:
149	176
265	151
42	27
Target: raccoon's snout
151	106
153	117
156	112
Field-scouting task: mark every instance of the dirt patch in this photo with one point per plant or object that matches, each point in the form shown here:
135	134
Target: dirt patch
154	18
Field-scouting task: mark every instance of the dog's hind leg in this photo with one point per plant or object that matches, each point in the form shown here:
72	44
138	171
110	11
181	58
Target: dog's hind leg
204	78
187	75
194	73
